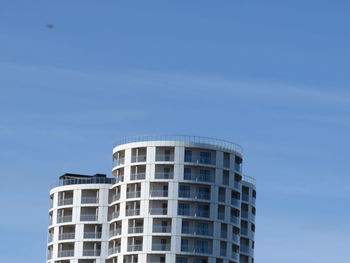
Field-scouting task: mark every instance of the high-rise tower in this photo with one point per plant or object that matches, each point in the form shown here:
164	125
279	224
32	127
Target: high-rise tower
172	199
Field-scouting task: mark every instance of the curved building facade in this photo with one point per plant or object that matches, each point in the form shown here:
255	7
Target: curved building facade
172	199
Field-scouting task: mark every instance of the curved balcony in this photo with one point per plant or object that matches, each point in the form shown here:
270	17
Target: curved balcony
164	175
134	248
115	232
138	176
92	235
65	253
91	252
65	201
64	219
114	198
114	250
66	236
135	230
194	195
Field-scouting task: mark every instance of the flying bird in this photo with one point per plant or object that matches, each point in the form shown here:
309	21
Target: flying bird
50	26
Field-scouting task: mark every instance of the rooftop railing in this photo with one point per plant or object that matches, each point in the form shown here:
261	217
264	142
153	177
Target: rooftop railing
218	143
92	180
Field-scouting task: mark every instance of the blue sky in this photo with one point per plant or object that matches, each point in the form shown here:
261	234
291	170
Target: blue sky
272	76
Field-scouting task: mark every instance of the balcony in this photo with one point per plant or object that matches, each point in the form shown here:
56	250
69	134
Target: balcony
117	162
65	201
158	211
49	238
226	163
65	253
235	256
194	195
114	250
114	198
238	167
65	236
119	179
160	247
164	157
89	200
91	252
88	217
244	214
197	177
235	219
192	212
137	176
244	249
115	232
245	197
138	159
197	231
200	160
114	215
92	235
133	194
161	229
132	212
235	238
49	255
135	230
164	175
223	252
237	185
196	249
235	202
64	219
159	193
134	248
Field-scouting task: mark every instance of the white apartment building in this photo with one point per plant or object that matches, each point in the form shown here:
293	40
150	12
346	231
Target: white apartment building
172	199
